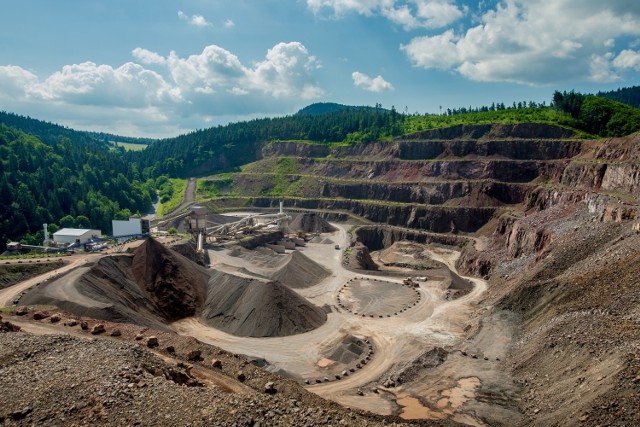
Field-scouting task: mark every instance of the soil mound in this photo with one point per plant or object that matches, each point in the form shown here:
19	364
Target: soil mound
250	307
360	258
105	290
408	255
171	282
311	223
300	272
349	350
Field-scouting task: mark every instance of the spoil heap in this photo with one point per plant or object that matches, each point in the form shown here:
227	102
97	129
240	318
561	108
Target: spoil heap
300	272
250	307
311	223
174	285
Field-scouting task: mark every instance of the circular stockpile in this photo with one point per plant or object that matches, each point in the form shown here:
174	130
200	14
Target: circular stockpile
375	298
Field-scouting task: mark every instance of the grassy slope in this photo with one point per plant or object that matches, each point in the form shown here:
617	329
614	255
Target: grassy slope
179	188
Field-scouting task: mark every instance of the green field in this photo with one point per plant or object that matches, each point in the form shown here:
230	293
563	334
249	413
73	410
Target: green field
131	147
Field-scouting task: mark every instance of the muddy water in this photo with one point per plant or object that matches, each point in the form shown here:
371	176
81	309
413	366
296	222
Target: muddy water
412	409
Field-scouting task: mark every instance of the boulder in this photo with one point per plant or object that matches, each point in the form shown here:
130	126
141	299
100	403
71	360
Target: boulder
270	388
152	342
22	311
116	333
97	329
194	355
39	315
84	325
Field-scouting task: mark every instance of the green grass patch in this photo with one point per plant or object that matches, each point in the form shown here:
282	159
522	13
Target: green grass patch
131	147
176	197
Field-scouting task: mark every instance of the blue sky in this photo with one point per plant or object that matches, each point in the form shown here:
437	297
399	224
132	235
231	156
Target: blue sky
163	67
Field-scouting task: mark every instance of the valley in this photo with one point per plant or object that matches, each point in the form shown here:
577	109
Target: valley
474	275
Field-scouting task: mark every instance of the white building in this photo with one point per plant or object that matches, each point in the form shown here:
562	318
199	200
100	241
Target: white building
75	235
131	227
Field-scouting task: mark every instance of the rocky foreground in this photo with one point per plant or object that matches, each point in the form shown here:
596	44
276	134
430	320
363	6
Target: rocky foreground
139	379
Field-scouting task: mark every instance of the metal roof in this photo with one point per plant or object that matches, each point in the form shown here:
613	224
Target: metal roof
72	232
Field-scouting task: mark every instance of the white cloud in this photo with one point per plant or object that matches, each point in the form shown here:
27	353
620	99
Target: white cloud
195	20
377	84
181	93
229	23
411	14
130	86
286	72
14	81
628	59
147	57
533	42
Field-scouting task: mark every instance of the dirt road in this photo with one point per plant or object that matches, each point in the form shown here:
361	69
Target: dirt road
9	294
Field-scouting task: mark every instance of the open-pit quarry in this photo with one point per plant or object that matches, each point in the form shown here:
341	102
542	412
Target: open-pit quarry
479	275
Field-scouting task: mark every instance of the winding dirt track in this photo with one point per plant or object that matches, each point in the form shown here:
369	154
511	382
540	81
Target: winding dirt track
9	294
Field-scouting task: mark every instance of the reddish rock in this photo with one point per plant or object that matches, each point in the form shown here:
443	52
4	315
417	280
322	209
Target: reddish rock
216	363
152	342
22	311
84	325
55	318
72	322
39	315
139	337
116	333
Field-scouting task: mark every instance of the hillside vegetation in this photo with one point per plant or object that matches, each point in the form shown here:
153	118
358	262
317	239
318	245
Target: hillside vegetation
69	182
50	172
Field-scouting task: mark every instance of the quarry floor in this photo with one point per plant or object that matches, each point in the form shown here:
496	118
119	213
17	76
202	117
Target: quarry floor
469	387
396	341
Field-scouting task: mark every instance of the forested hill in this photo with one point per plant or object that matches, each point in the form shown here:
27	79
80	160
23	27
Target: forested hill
69	181
627	95
227	147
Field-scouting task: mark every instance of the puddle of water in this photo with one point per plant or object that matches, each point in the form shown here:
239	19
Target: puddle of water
462	393
452	399
412	409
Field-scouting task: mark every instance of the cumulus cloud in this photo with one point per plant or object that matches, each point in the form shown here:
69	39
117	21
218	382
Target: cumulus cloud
535	42
195	20
229	23
185	91
410	14
14	81
628	59
147	57
376	84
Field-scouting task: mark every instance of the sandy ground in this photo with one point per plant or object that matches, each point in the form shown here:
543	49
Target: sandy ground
8	295
433	321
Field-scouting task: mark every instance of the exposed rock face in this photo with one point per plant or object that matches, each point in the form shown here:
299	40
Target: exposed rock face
380	237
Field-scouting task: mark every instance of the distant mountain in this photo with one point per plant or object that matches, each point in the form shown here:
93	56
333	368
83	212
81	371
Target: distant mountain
332	107
626	95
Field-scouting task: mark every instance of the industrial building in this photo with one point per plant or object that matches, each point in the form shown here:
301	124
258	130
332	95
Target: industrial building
130	227
75	235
